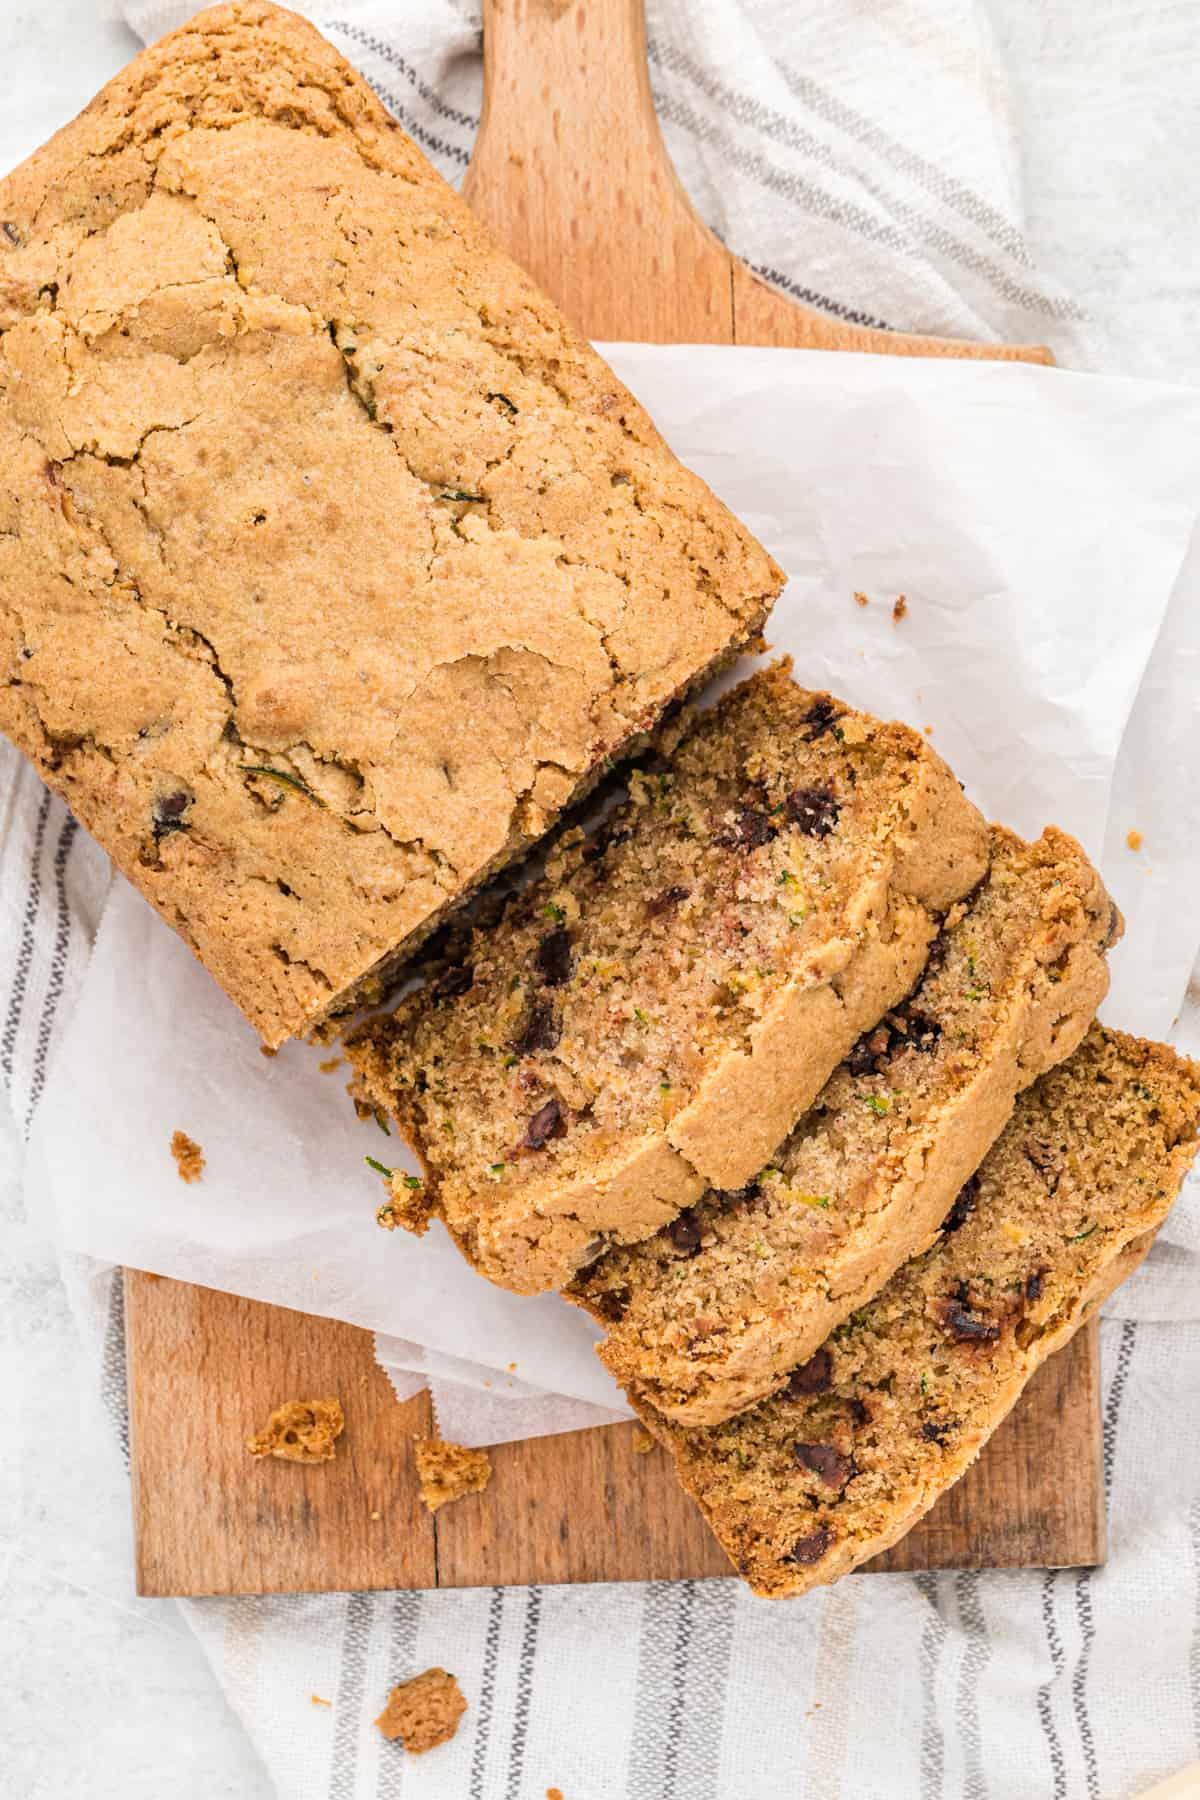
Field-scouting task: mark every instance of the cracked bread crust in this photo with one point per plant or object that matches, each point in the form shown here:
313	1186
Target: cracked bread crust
901	1399
710	1316
333	564
655	1012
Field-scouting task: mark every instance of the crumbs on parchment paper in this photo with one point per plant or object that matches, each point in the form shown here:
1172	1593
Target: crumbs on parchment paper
1134	839
189	1157
899	608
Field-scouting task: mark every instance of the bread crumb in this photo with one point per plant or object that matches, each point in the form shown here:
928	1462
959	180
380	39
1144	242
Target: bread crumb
330	1064
317	1700
266	1050
554	1794
189	1157
377	1515
512	1368
423	1712
448	1471
643	1443
300	1431
860	599
900	608
1134	839
928	730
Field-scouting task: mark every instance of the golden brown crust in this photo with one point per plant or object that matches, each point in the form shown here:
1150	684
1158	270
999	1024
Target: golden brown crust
333	563
705	1327
900	1400
651	1017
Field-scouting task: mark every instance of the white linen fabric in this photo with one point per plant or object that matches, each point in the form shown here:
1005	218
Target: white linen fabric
938	165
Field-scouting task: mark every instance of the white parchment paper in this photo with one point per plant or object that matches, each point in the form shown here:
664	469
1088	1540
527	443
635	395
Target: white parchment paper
1040	526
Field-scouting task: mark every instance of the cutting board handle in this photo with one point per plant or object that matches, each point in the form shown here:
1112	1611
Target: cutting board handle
569	132
572	176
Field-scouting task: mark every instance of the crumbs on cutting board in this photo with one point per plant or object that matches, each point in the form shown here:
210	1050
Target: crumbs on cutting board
448	1471
899	608
189	1157
300	1431
643	1443
1134	839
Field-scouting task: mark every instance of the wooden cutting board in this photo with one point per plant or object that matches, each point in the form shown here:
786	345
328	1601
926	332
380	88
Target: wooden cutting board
571	173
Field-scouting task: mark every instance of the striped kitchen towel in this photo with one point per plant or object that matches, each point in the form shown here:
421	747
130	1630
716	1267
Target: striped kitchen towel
868	160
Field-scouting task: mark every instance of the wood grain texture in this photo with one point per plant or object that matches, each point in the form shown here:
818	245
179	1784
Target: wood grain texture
571	174
206	1369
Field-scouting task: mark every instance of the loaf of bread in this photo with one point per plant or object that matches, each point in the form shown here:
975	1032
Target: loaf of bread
333	562
903	1396
709	1315
656	1011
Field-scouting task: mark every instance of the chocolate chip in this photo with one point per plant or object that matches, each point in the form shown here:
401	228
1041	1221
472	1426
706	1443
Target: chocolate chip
827	1464
548	1122
1045	1159
664	902
605	838
684	1233
1033	1285
612	1304
964	1205
750	829
961	1322
810	1549
1114	925
821	717
857	1410
863	1059
453	983
553	958
936	1431
813	810
731	1197
167	813
541	1030
653	762
813	1377
917	1031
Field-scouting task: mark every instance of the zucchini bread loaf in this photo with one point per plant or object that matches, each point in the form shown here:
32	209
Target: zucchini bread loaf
656	1011
710	1315
333	562
903	1396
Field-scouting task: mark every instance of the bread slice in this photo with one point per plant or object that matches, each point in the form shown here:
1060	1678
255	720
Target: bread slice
710	1315
334	563
655	1013
903	1396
